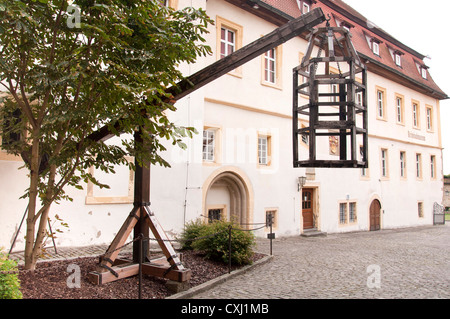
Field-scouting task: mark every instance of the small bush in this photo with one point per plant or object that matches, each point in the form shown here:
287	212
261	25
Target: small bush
191	231
215	242
9	281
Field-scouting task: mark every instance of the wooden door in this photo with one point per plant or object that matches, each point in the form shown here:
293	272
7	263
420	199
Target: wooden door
307	208
375	210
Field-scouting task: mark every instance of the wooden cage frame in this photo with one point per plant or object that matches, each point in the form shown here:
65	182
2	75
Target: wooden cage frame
339	49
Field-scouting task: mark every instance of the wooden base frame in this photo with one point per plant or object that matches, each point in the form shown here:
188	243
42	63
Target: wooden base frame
111	268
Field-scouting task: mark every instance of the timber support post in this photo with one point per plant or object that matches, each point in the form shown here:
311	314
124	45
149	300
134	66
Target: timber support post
141	199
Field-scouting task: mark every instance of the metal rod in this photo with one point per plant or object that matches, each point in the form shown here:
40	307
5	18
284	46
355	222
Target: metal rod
18	230
140	264
51	235
229	248
271	234
295	116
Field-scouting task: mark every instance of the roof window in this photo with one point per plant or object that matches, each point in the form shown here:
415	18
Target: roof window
305	5
374	43
376	47
398	58
342	23
422	68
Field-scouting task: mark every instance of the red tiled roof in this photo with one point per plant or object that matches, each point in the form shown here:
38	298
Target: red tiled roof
289	7
362	27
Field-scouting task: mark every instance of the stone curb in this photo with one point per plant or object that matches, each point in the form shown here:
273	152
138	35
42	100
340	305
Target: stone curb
216	281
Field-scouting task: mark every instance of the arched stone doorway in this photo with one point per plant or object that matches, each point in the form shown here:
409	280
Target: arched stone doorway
227	195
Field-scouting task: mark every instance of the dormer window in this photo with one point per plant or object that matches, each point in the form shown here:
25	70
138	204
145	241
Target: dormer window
343	24
398	59
422	69
346	25
374	43
304	5
305	8
423	72
376	47
396	55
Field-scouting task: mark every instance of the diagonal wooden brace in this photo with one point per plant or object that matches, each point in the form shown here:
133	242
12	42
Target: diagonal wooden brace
114	248
162	239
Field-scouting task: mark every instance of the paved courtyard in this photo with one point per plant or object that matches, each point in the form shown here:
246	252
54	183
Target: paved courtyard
401	263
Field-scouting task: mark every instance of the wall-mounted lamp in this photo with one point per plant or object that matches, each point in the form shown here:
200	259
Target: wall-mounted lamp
301	182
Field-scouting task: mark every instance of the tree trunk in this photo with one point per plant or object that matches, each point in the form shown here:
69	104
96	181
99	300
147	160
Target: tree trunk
44	211
30	259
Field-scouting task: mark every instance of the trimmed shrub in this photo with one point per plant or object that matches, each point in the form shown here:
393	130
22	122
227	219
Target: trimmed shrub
214	242
192	230
9	280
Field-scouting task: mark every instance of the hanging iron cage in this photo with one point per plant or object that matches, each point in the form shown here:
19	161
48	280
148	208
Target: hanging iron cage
330	103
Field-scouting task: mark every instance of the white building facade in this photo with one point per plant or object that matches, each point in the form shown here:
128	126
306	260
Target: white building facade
239	166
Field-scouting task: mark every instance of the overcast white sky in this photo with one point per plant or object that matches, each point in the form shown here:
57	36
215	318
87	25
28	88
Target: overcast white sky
423	26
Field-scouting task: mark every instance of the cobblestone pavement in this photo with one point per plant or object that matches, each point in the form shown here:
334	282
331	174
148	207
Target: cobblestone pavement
407	263
64	253
401	263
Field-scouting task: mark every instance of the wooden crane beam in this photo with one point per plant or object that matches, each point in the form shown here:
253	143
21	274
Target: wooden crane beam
223	66
141	219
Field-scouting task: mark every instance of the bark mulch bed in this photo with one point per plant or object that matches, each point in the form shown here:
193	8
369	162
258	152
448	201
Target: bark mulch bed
49	280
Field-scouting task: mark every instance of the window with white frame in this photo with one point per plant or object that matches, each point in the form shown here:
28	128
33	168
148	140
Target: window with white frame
352	212
399	109
270	64
422	69
263	150
402	164
419	165
429	118
342	213
384	162
227	42
381	101
423	72
347	213
433	166
398	59
304	6
376	47
209	139
416	114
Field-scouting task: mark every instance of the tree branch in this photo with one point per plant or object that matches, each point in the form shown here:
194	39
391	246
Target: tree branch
25	107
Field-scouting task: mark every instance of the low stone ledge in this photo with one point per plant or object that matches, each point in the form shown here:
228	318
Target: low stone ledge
214	282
